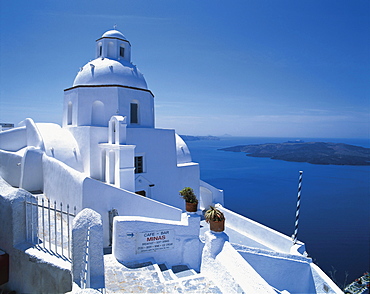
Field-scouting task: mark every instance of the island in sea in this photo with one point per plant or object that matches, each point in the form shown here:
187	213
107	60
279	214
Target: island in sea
311	152
198	138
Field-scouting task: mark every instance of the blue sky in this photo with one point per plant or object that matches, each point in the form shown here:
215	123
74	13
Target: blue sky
246	68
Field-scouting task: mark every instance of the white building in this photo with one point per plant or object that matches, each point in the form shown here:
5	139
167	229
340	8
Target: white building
109	155
108	134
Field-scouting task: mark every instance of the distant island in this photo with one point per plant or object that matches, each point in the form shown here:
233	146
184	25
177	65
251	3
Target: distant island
198	138
311	152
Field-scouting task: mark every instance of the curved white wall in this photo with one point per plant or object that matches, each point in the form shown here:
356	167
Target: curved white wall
13	139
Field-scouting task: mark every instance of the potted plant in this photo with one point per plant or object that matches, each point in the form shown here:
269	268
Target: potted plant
191	200
216	219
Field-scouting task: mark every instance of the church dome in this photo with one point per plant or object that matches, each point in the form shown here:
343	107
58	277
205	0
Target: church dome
105	71
114	34
112	65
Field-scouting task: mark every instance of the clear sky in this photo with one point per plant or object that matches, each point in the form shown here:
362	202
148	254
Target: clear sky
245	68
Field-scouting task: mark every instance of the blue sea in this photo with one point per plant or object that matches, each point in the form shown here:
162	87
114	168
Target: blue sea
335	200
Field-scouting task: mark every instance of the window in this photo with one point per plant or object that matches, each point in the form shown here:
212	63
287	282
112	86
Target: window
69	113
134	117
100	50
122	51
139	166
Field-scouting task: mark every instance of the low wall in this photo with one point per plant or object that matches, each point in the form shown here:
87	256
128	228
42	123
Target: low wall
228	269
102	198
30	270
262	234
170	242
13	139
62	183
282	271
32	174
210	195
10	167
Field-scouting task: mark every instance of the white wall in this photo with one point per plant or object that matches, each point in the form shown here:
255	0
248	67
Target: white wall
183	246
230	272
10	167
30	270
32	174
88	139
102	198
114	99
158	146
62	183
60	144
210	195
283	272
13	139
260	233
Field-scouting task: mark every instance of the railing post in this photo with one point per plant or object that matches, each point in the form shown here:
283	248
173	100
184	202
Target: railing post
61	225
49	224
37	220
31	219
69	237
43	222
55	226
27	220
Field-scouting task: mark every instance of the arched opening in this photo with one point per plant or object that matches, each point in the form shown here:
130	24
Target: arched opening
112	167
97	114
134	113
103	165
122	51
111	50
113	132
100	49
69	113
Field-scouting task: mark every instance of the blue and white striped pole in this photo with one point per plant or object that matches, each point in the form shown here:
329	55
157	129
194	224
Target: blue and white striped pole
294	237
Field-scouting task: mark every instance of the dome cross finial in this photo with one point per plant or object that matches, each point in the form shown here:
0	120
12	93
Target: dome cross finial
115	26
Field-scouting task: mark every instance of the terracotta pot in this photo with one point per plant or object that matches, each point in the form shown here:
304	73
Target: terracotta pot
217	226
191	207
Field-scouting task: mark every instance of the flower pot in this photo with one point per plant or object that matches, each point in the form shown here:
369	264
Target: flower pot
191	207
217	226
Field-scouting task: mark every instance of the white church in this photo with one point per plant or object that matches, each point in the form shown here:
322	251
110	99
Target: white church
108	158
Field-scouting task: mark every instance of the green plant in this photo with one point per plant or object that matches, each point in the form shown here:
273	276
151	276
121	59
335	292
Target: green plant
213	214
188	195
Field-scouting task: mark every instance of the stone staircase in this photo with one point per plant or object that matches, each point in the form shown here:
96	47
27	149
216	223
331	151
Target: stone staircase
149	277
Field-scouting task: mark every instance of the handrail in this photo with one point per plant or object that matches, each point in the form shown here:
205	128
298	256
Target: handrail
41	228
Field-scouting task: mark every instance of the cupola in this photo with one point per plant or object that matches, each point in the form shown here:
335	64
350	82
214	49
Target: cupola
114	45
112	65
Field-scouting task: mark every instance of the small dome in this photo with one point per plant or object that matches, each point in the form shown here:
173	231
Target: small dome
105	71
182	150
114	34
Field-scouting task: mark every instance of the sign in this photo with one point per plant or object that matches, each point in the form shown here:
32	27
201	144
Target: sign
154	241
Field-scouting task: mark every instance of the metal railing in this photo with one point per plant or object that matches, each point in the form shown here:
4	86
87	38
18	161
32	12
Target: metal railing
49	226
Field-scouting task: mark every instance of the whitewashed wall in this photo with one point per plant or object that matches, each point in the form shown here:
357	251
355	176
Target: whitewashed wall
262	234
169	242
158	146
113	99
102	198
